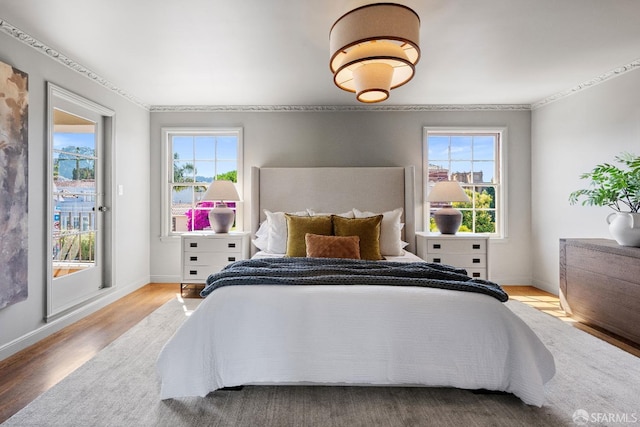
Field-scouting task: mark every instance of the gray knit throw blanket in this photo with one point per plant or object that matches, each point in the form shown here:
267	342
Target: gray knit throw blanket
333	271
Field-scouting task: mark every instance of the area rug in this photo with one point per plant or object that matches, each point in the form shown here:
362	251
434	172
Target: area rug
595	384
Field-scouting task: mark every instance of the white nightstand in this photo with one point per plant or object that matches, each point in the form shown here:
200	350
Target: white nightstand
204	253
465	250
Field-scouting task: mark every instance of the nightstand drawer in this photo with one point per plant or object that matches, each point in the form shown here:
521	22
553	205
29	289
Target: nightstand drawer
459	260
199	272
206	253
465	250
228	244
210	258
480	273
457	246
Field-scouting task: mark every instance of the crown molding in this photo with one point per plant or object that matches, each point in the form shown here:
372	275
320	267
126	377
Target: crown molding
587	84
333	108
69	63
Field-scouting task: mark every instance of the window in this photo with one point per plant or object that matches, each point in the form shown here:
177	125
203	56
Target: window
193	159
473	158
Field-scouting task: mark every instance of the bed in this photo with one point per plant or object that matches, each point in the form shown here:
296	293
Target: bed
335	333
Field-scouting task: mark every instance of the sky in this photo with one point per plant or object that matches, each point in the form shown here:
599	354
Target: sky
215	154
464	153
61	141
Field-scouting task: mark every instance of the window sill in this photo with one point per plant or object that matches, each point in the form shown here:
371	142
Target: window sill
170	239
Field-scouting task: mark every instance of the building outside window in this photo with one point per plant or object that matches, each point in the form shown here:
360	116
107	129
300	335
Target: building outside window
472	158
193	159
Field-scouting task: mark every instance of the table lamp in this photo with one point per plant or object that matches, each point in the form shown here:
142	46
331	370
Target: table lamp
221	217
448	219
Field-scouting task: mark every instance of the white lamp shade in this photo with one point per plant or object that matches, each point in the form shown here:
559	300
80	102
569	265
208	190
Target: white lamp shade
373	82
221	191
383	33
447	192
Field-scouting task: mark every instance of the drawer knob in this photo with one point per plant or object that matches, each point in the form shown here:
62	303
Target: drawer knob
476	246
231	258
436	246
476	274
193	272
193	244
476	260
436	260
232	245
193	258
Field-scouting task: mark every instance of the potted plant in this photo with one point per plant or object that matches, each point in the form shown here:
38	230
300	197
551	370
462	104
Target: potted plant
617	187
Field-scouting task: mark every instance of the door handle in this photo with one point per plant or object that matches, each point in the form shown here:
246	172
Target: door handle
103	208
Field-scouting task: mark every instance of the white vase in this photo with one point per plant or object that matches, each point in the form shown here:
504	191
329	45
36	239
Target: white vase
625	228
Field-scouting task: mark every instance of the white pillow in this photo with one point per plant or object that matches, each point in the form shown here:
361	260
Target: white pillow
391	243
277	231
262	237
349	214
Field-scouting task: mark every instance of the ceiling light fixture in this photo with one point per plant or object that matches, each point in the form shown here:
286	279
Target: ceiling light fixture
374	49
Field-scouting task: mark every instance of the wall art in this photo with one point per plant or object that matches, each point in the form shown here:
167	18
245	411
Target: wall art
14	185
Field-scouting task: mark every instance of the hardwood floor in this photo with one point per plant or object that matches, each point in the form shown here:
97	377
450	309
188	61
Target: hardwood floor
550	304
29	373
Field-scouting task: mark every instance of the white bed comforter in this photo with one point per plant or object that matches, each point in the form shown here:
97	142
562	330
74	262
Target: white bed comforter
359	335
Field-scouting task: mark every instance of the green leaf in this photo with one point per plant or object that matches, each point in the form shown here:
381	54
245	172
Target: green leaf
611	185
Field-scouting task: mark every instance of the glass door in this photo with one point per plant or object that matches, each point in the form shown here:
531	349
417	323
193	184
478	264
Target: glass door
77	222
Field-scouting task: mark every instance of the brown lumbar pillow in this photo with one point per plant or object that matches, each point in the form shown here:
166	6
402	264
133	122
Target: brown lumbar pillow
332	246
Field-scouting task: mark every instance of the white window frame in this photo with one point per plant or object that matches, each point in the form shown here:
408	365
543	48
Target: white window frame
167	166
501	172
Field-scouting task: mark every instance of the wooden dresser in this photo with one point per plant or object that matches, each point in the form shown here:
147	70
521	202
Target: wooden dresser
600	284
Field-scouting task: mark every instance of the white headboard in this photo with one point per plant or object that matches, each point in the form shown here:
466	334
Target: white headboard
335	189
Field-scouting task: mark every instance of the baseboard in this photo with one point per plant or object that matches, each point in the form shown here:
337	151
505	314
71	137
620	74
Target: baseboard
510	280
552	288
54	326
165	279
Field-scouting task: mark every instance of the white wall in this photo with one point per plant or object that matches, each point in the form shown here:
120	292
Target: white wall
369	138
569	137
22	323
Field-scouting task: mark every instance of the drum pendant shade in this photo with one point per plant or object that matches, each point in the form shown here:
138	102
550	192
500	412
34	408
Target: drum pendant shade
374	49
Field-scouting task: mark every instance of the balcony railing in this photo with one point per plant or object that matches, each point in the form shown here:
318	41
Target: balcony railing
74	237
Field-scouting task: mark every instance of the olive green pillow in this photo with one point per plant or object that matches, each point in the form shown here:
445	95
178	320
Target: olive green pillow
299	226
368	229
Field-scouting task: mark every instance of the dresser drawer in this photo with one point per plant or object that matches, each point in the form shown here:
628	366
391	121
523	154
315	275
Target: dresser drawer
451	246
227	245
209	258
600	284
459	260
